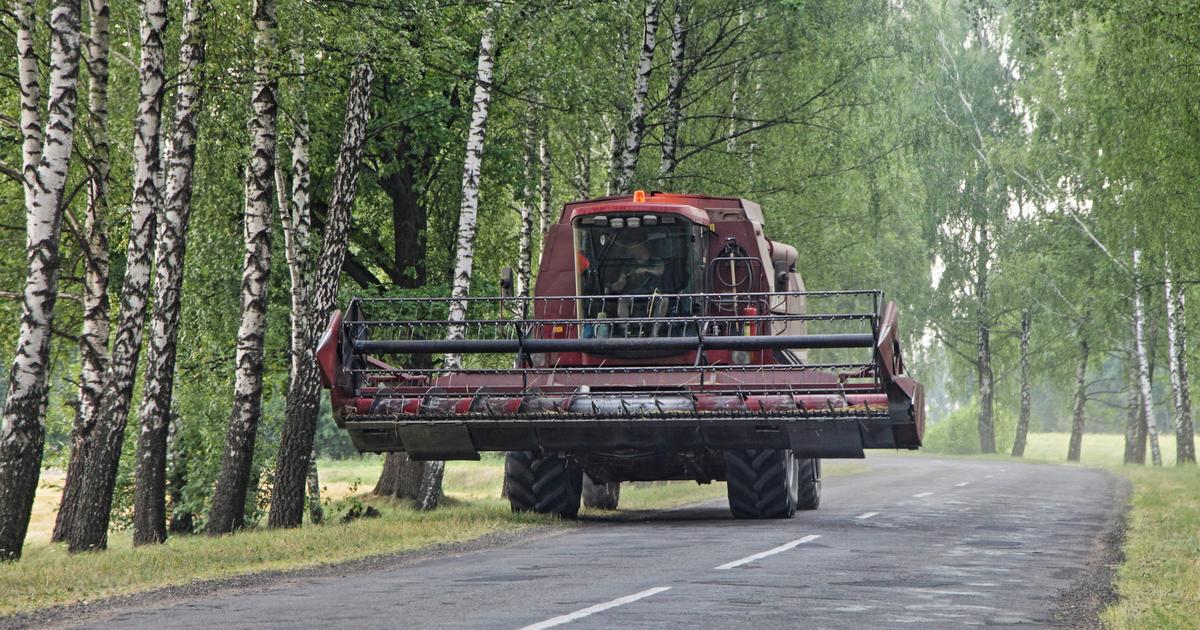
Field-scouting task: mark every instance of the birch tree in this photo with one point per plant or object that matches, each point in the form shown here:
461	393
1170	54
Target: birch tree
1018	449
1185	446
525	209
316	304
229	497
1078	416
93	505
1143	369
430	492
670	137
636	128
46	156
93	338
149	509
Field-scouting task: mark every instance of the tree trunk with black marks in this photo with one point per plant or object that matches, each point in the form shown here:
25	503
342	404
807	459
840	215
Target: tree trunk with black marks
229	498
636	128
1135	424
45	161
303	400
1018	449
430	493
986	379
1078	417
93	336
1139	340
149	508
93	507
544	199
525	205
1185	444
670	139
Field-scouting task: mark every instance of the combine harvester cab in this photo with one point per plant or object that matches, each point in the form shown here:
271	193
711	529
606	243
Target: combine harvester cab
669	338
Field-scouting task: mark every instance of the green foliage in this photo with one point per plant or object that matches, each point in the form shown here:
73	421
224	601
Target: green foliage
957	433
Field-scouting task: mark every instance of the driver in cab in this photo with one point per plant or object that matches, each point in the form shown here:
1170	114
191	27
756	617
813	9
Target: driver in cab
640	275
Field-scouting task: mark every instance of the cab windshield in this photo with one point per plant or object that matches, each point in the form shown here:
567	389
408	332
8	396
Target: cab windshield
650	256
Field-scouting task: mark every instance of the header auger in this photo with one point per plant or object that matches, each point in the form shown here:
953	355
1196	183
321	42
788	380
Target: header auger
668	338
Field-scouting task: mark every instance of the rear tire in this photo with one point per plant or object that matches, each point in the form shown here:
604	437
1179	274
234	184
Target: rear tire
762	483
546	485
810	484
601	496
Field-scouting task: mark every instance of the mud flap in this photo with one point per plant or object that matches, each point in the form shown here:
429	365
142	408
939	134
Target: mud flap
426	442
839	439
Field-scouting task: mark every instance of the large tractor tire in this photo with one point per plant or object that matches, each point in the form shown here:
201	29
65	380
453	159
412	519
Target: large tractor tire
546	485
601	496
762	483
809	490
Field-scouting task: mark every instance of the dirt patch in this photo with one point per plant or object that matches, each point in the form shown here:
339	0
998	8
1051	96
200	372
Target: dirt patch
1080	605
100	610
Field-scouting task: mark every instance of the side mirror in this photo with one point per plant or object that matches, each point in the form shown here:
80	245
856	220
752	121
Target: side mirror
781	275
506	282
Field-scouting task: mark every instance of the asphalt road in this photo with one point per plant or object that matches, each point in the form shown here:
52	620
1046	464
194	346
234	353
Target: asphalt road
915	542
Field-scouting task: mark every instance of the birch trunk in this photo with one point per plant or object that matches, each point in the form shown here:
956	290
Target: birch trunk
1078	417
22	434
1135	424
670	139
986	377
1185	447
430	492
544	200
93	338
92	509
149	509
525	237
582	177
1139	319
229	497
614	159
637	111
303	401
1023	419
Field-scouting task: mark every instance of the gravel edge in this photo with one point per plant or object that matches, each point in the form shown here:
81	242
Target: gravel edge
1094	589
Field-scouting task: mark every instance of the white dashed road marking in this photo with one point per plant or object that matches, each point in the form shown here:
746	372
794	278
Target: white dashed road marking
591	610
863	517
922	495
770	552
961	485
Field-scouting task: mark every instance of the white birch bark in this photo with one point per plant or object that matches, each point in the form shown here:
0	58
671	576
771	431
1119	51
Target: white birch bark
636	129
735	97
1185	449
1023	417
93	336
93	506
1139	325
229	497
1078	417
31	96
21	431
670	139
149	520
294	463
544	199
430	492
525	204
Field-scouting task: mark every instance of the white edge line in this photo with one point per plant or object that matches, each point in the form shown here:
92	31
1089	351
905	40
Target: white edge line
922	495
591	610
770	552
863	517
961	485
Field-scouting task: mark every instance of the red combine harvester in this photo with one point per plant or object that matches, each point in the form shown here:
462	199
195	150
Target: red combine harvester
668	338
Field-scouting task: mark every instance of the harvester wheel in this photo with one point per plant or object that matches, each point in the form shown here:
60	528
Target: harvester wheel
810	484
546	485
762	483
601	496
